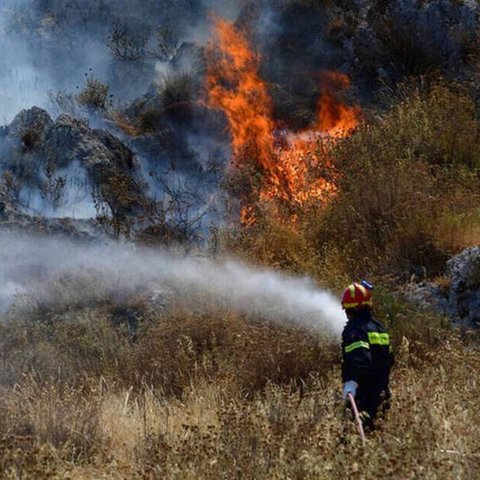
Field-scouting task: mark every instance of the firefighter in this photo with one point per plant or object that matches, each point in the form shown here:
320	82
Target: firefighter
367	355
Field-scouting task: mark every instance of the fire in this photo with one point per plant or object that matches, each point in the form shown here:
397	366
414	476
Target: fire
286	160
235	86
335	118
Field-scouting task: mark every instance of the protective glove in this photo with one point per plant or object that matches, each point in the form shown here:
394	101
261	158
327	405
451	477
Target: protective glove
349	387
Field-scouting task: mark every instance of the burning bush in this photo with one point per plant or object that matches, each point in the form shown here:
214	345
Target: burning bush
99	379
402	175
278	163
405	184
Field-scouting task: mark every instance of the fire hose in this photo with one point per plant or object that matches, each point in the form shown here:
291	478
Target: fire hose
357	417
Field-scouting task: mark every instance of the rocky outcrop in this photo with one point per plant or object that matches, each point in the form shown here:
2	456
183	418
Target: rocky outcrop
463	271
459	295
66	169
427	296
8	209
110	165
44	161
30	125
12	219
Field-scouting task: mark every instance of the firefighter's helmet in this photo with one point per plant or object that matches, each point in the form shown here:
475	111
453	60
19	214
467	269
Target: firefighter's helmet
357	295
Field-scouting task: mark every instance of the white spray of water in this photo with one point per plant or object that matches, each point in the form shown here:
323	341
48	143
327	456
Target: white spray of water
261	293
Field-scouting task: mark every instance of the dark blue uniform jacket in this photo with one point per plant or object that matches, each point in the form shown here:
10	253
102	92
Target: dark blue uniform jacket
366	351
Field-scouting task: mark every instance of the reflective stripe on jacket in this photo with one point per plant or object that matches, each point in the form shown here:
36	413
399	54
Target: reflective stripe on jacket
366	350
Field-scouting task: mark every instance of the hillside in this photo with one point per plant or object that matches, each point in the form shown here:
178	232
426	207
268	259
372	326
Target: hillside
186	188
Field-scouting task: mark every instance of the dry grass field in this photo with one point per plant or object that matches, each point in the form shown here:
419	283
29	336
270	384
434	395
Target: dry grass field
220	396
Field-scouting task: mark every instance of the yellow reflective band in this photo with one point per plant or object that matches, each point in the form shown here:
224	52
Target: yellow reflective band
356	304
362	289
352	289
354	346
376	338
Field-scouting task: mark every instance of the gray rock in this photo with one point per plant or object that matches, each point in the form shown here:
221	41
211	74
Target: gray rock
460	301
42	156
464	298
8	209
427	296
34	119
110	165
12	219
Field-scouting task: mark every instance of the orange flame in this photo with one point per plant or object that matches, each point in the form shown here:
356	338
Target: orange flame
285	158
235	87
335	118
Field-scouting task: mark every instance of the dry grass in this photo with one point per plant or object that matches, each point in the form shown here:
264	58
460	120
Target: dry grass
220	396
431	431
94	96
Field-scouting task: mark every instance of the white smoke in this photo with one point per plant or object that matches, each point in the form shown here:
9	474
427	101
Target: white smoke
21	83
48	47
258	292
29	71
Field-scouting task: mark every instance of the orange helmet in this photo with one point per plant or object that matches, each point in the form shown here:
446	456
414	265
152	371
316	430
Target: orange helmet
357	295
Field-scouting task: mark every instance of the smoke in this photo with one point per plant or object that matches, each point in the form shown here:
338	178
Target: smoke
27	262
49	46
72	199
21	84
